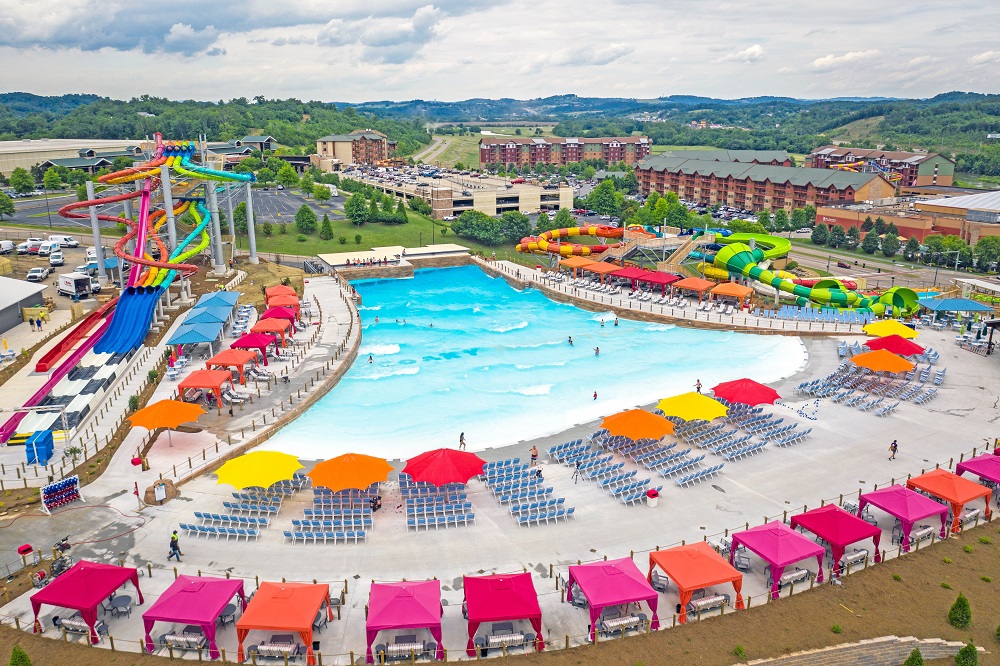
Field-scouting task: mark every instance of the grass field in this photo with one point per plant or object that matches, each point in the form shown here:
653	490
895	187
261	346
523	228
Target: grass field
859	130
465	149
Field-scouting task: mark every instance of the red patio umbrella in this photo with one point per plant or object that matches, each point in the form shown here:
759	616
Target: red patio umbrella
895	344
442	466
746	391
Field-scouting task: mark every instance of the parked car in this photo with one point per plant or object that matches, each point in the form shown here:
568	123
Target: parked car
65	241
56	259
38	274
46	248
843	264
30	246
6	246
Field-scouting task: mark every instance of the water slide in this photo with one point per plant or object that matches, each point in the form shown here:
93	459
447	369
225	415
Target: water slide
548	242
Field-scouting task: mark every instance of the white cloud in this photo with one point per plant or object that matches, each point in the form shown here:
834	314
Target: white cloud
391	40
984	58
579	56
754	53
831	61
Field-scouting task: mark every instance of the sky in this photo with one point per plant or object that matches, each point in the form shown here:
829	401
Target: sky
362	50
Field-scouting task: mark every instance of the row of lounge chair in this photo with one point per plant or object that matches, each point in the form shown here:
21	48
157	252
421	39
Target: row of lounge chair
699	476
219	532
258	498
536	517
248	508
520	487
327	536
346	523
621	486
453	520
231	521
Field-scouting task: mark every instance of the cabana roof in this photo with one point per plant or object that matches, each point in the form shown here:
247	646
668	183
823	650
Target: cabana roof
576	262
952	489
193	334
612	583
693	567
206	379
284	607
405	605
694	284
601	267
208	315
778	544
234	357
631	273
278	290
986	466
659	277
254	341
731	289
500	598
218	299
196	600
82	588
955	305
271	326
907	505
839	528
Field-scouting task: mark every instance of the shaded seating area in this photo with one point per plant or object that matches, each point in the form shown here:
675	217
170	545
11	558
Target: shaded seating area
907	507
218	299
258	341
198	603
839	529
954	490
575	263
197	334
661	279
85	587
401	606
986	467
501	600
601	268
279	290
741	294
289	608
695	567
780	546
284	301
274	326
694	285
608	585
209	315
280	313
232	358
199	382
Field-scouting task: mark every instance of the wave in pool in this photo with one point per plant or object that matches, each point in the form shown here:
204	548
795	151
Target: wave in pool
446	371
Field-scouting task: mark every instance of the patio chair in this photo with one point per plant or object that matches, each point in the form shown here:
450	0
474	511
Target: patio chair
658	582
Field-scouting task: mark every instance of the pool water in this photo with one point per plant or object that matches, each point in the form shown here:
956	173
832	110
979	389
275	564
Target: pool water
455	351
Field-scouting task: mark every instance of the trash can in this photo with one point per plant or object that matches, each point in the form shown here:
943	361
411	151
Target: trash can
652	497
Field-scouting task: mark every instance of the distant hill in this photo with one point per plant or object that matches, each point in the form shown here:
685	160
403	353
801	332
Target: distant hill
24	104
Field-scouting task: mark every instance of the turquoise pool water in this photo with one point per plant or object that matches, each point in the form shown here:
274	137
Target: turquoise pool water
455	350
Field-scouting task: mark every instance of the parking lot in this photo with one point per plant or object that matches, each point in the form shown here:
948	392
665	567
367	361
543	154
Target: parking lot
279	206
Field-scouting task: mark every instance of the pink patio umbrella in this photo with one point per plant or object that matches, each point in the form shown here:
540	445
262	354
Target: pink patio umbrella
779	546
838	528
907	505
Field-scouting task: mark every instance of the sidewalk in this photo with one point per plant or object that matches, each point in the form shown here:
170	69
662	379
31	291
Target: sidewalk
16	390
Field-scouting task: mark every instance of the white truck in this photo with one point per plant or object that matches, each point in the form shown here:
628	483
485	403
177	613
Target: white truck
79	285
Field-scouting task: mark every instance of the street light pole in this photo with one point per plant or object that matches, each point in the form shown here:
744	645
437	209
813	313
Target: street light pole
828	258
47	212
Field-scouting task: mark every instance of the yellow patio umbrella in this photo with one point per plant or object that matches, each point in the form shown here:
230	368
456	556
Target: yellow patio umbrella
637	424
258	468
351	470
693	407
880	329
167	414
882	360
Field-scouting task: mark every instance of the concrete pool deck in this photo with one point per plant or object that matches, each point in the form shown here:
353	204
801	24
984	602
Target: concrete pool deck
846	452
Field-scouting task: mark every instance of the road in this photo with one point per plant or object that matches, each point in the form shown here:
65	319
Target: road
436	147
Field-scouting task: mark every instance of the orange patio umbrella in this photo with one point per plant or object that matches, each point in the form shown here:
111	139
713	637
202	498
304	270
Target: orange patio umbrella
351	470
279	290
637	424
881	360
167	414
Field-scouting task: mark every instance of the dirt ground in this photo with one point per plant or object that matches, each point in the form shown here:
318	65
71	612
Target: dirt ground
869	604
264	275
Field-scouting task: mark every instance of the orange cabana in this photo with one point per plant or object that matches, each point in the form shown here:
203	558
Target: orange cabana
283	301
232	358
602	268
279	290
953	489
279	326
206	380
694	567
731	290
694	284
288	607
576	262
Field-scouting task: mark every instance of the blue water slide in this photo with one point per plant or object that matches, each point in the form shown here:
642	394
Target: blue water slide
130	322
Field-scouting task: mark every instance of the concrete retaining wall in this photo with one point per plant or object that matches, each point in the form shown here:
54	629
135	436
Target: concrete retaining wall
884	651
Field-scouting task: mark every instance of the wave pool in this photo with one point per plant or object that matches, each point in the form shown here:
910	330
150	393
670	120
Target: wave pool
455	350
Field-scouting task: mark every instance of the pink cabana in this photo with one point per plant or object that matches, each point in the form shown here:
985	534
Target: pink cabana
631	273
986	467
406	605
258	341
611	583
82	588
839	528
280	313
660	278
501	598
906	505
778	545
194	600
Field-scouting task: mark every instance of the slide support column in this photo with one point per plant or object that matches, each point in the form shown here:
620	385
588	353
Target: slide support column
251	234
229	211
168	206
95	227
213	209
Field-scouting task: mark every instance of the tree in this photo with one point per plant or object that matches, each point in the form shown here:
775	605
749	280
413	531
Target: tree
356	209
819	234
240	217
960	614
880	226
780	220
810	212
837	237
121	163
388	204
21	181
744	227
799	220
326	229
912	247
374	214
401	217
6	206
891	229
514	226
967	656
320	192
286	176
305	220
306	183
605	199
589	172
418	205
869	244
265	176
764	220
987	247
915	658
267	228
19	657
677	215
890	244
478	226
853	237
868	224
76	177
51	180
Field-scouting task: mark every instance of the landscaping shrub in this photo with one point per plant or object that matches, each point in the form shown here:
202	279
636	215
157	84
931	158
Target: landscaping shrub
968	549
897	577
947	560
152	375
133	403
19	657
740	652
915	658
301	238
967	656
946	586
837	629
357	239
985	541
960	615
342	240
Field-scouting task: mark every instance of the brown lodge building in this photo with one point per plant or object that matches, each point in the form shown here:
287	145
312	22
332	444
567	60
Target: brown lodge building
756	186
912	169
559	151
359	147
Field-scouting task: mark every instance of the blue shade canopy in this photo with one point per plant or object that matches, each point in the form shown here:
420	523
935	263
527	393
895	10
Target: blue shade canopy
955	305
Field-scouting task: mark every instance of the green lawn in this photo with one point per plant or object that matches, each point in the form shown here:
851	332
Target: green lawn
464	149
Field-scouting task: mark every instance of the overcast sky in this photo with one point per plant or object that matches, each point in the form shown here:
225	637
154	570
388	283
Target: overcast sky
359	50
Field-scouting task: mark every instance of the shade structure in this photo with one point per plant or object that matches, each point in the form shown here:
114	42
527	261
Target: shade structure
602	268
694	567
692	407
166	414
986	467
279	290
955	305
280	313
896	344
279	326
839	528
779	546
881	360
82	588
218	299
258	341
954	490
694	284
630	273
576	262
351	470
197	600
406	605
283	301
907	505
637	424
660	278
196	334
501	598
284	607
258	468
442	466
232	358
611	583
207	380
746	391
880	329
732	290
209	315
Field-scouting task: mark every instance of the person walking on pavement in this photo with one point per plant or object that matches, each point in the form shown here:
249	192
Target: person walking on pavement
697	385
892	449
31	322
461	442
534	455
175	547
